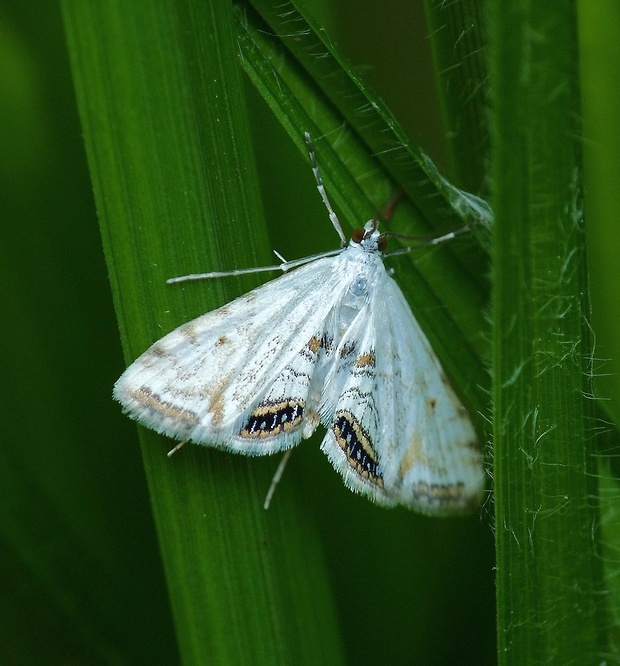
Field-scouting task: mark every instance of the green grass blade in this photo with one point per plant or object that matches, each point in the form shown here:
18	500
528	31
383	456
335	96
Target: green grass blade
548	578
168	144
600	69
78	567
457	34
300	35
447	292
360	182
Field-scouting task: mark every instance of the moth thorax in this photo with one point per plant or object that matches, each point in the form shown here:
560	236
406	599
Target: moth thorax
359	286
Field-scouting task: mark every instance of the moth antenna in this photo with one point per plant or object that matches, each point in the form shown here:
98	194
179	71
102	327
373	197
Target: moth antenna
450	235
425	242
390	207
323	192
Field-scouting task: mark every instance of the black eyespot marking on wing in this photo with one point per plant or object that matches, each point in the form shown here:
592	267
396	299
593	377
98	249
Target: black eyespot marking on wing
270	419
356	444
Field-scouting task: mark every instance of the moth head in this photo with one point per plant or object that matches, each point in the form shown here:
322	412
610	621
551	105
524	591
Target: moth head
369	237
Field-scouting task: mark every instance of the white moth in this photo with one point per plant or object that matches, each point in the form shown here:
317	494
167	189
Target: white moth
333	342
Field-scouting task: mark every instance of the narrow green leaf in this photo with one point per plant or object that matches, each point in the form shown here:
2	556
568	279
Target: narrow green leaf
437	200
78	549
548	578
167	139
447	291
457	33
599	50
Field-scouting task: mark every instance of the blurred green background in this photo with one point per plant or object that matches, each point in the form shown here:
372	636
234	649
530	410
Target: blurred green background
81	577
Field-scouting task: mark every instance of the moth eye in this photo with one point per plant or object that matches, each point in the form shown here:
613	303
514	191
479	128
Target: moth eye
382	244
358	235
